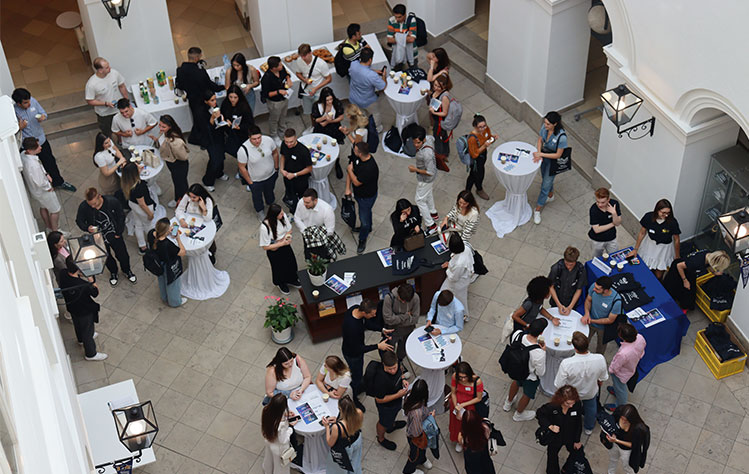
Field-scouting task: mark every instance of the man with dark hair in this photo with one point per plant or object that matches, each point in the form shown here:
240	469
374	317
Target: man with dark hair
79	292
536	370
363	174
257	161
602	306
364	85
447	311
400	312
357	319
390	388
314	212
103	90
132	125
30	114
569	279
296	168
275	89
401	33
104	214
426	172
605	216
39	184
354	44
193	80
586	372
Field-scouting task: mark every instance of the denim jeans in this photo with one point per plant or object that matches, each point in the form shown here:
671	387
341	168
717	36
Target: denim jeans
547	182
365	216
621	392
590	408
356	366
262	189
170	293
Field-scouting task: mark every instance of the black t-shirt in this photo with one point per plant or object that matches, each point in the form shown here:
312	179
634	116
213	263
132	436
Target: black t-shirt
141	191
270	83
662	233
352	331
367	172
167	250
599	217
387	384
296	158
696	261
567	282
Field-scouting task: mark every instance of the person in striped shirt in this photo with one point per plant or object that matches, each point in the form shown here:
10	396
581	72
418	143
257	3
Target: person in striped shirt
399	23
352	47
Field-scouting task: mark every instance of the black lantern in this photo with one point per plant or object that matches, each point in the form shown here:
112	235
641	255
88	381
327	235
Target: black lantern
89	252
621	105
117	9
734	226
136	426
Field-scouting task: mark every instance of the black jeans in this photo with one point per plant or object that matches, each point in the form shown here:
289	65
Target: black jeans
178	170
215	166
117	245
105	124
84	332
294	189
476	175
50	164
356	366
552	460
263	190
416	457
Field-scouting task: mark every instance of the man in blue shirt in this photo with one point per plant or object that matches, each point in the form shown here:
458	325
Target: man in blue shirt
602	306
364	85
447	311
30	114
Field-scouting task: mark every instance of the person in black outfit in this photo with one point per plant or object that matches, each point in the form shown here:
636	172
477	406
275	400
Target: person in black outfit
193	79
390	387
631	440
474	438
605	215
327	115
105	212
681	279
275	89
79	293
296	168
357	319
569	277
406	220
210	121
363	174
563	418
235	107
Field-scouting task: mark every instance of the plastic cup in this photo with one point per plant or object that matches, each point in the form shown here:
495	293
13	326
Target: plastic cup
392	74
453	338
327	157
333	141
315	294
503	159
569	340
176	100
324	140
243	86
410	83
319	146
556	341
612	262
314	161
605	256
325	396
620	265
38	116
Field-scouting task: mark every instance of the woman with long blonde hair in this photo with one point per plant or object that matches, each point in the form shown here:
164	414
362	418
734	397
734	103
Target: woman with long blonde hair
146	210
334	377
170	256
343	435
356	131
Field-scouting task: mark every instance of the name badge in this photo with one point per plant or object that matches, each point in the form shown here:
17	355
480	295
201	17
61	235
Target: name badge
604	305
468	389
651	231
573	413
357	162
293	157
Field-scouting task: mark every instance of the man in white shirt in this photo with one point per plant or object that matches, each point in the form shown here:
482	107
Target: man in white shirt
586	372
39	183
314	212
314	74
132	125
257	160
536	370
103	90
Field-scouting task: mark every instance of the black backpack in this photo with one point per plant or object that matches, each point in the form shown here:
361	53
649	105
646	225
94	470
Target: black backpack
370	375
152	263
514	359
393	140
341	64
421	30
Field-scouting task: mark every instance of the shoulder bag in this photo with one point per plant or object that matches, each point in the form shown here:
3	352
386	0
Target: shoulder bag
338	450
303	88
482	407
563	163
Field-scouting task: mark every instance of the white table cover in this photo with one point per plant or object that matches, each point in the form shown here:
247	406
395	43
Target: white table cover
314	457
320	170
517	177
406	106
556	354
433	373
201	280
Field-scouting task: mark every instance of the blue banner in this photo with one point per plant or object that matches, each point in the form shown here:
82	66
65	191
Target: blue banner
125	467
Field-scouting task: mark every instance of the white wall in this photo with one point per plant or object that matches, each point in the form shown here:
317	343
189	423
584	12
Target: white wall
6	80
439	15
282	25
143	46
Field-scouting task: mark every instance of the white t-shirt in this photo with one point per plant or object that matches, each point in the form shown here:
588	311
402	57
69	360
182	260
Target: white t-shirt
142	120
105	88
340	381
105	158
266	238
321	71
537	359
259	163
583	371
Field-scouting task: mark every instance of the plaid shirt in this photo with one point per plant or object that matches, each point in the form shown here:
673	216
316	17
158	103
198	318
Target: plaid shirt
316	236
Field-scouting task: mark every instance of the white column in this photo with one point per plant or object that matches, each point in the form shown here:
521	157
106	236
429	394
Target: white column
439	15
740	311
538	51
143	46
279	26
6	80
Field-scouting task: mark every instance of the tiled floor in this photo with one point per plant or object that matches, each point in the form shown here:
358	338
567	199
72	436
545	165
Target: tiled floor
202	364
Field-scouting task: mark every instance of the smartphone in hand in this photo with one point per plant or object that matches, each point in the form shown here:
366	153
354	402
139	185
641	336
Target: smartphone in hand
429	329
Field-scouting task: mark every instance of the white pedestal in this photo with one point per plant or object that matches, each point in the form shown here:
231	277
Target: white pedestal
281	25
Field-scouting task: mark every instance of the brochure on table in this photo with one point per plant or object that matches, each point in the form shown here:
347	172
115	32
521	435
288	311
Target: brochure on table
647	318
312	409
433	344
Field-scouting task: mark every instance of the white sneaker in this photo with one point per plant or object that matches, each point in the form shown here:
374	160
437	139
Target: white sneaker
549	199
210	189
536	217
247	188
588	432
418	471
224	177
508	405
406	375
458	447
236	176
98	356
171	204
182	301
525	416
427	464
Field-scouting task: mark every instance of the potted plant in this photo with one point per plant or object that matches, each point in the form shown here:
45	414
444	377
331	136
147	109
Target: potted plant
281	316
317	269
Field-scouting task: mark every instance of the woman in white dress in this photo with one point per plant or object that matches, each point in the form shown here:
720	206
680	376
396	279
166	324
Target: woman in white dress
658	242
277	433
334	377
287	373
459	270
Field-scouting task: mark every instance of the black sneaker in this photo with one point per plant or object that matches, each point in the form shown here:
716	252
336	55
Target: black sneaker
65	186
131	276
400	424
141	251
113	279
356	229
362	246
283	288
296	284
387	444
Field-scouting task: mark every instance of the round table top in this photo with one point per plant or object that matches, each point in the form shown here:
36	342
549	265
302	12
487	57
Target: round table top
414	95
525	164
208	233
147	172
419	355
568	324
311	140
315	426
68	20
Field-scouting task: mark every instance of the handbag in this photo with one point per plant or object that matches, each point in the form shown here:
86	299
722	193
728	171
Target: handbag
563	163
414	242
393	139
577	463
543	436
348	211
478	264
287	456
217	217
303	89
496	440
338	450
482	407
173	270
